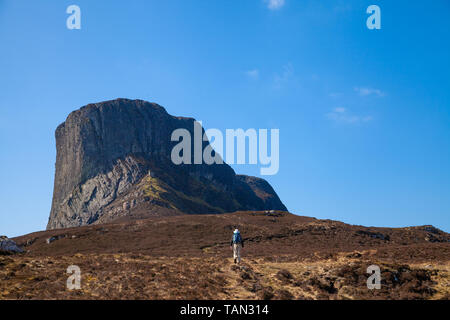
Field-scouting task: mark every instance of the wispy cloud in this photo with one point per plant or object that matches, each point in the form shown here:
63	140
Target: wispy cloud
252	74
335	95
342	115
285	76
274	4
364	91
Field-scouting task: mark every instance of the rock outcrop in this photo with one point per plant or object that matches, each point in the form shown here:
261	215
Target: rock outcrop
113	162
8	246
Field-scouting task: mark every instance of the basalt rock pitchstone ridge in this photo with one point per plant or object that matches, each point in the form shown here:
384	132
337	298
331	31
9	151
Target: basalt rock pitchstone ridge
113	162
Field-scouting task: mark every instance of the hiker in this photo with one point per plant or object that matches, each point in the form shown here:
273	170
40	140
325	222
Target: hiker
236	244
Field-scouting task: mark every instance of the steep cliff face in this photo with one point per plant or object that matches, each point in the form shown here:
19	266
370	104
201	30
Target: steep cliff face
113	161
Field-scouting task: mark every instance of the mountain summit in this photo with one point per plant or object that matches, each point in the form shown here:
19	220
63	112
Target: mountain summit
113	162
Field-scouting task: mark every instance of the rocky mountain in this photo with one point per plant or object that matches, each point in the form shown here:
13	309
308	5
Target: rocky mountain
113	162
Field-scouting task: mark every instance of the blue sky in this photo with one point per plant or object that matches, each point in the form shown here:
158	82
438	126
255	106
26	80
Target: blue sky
364	115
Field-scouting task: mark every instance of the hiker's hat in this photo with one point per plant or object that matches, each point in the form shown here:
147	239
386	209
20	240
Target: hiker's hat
236	231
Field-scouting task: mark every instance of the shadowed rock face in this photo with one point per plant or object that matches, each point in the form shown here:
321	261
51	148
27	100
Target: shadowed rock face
113	162
8	246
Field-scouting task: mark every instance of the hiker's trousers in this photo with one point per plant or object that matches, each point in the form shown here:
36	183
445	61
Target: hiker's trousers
237	251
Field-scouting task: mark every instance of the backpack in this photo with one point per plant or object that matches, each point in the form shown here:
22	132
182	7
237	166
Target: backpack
237	237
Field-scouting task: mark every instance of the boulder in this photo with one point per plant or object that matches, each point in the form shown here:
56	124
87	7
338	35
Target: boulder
8	246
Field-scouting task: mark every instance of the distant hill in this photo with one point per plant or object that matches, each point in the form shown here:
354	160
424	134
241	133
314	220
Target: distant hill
113	160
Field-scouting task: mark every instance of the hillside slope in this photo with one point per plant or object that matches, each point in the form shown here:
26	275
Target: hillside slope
267	233
188	257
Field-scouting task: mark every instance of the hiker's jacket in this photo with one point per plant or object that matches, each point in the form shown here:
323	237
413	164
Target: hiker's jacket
242	241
